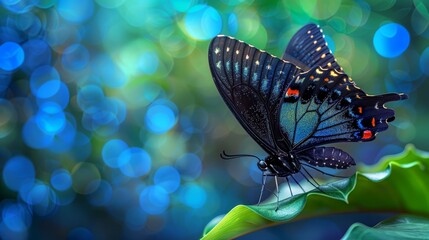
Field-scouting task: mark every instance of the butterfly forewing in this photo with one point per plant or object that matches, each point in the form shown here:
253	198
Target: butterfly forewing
252	83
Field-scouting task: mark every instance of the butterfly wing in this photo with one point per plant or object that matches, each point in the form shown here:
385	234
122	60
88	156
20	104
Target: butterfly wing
252	83
323	106
308	46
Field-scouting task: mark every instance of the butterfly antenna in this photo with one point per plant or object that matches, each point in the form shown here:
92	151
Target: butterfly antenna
297	183
226	156
325	173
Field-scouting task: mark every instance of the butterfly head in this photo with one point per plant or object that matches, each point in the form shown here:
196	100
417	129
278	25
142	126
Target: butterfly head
262	165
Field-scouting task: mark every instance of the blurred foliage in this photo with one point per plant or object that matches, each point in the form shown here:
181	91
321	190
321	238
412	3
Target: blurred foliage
110	124
398	188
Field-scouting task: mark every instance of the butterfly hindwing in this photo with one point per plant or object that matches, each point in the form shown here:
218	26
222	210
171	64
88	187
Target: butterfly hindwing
308	46
323	106
252	83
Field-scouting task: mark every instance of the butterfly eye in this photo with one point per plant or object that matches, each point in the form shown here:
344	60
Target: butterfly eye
262	165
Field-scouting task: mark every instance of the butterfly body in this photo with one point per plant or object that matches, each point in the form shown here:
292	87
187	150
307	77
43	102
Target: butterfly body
280	165
292	105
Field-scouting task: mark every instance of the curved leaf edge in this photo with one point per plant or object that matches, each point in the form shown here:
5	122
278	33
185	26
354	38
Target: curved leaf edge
397	227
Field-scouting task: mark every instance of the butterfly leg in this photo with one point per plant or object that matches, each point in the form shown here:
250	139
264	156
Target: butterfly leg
298	183
308	180
277	191
264	179
325	173
305	170
290	189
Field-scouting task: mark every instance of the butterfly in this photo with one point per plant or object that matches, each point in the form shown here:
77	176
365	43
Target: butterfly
292	105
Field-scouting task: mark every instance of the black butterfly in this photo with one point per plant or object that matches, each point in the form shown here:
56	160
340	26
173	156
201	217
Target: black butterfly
292	105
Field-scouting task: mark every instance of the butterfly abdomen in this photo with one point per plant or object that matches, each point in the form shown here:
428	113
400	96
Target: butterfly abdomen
327	157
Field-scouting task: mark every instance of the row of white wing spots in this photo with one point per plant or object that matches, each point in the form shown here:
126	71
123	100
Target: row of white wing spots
320	48
324	163
277	86
219	63
246	68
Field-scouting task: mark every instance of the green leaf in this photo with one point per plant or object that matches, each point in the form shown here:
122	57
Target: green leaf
400	227
398	184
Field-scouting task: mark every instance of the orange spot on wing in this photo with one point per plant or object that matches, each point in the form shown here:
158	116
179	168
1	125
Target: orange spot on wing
360	110
326	79
311	77
373	122
292	92
367	134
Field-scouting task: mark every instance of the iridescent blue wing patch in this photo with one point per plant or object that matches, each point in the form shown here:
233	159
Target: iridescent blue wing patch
252	83
308	46
323	106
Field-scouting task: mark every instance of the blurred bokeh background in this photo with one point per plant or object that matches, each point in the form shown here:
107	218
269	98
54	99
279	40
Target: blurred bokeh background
111	126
